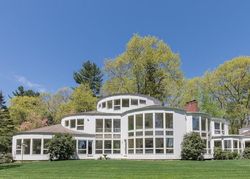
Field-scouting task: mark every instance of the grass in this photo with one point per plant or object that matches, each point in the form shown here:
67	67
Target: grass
127	169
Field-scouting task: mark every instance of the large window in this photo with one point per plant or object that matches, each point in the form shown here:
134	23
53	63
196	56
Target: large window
108	125
131	123
139	145
125	102
98	146
46	146
159	145
99	125
116	146
217	144
148	120
36	146
139	121
18	146
82	146
117	125
227	144
72	123
26	146
169	120
196	123
80	124
158	120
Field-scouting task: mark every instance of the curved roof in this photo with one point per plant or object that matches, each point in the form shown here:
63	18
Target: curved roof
156	101
55	129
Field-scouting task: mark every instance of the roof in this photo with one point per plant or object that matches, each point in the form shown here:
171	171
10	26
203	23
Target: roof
156	101
93	113
55	129
247	133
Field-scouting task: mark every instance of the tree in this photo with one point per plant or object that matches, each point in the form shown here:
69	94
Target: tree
81	100
61	147
89	74
148	66
53	102
6	127
21	92
192	146
27	112
229	85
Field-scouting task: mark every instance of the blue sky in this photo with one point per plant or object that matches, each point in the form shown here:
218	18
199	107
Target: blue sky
43	42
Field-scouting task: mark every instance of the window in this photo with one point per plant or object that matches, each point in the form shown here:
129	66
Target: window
67	123
125	102
80	124
18	146
216	125
235	144
159	132
169	145
159	145
196	123
98	146
131	123
169	132
99	125
46	146
134	102
148	133
169	120
116	146
158	120
117	104
82	146
149	143
130	143
139	143
203	124
107	146
108	125
217	144
26	146
72	123
104	105
227	144
139	122
148	121
117	125
109	103
36	146
142	101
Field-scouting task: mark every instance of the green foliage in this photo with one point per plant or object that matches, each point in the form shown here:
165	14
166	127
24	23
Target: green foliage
219	154
192	147
148	66
27	112
61	147
5	158
229	85
2	101
90	74
21	92
246	153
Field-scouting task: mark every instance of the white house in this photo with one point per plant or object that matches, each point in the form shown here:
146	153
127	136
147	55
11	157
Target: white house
127	126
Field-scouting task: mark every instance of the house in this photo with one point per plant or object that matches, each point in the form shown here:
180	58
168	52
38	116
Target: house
128	126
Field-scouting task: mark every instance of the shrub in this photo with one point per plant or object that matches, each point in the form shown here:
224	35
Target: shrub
192	147
61	147
6	158
246	153
219	154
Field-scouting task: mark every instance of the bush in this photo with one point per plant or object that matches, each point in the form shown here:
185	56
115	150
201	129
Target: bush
6	158
219	154
192	147
246	153
61	147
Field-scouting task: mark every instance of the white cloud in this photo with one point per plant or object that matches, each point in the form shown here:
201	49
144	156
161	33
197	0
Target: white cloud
25	82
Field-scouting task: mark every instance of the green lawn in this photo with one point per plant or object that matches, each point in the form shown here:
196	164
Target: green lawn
127	169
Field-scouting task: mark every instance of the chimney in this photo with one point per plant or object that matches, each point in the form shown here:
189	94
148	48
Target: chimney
192	106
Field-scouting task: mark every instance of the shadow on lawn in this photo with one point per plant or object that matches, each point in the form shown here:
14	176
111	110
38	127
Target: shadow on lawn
8	166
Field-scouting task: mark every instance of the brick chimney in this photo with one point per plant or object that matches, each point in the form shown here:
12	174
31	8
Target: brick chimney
191	106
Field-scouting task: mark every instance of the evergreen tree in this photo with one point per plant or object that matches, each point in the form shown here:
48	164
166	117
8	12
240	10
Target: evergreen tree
2	102
89	74
21	92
